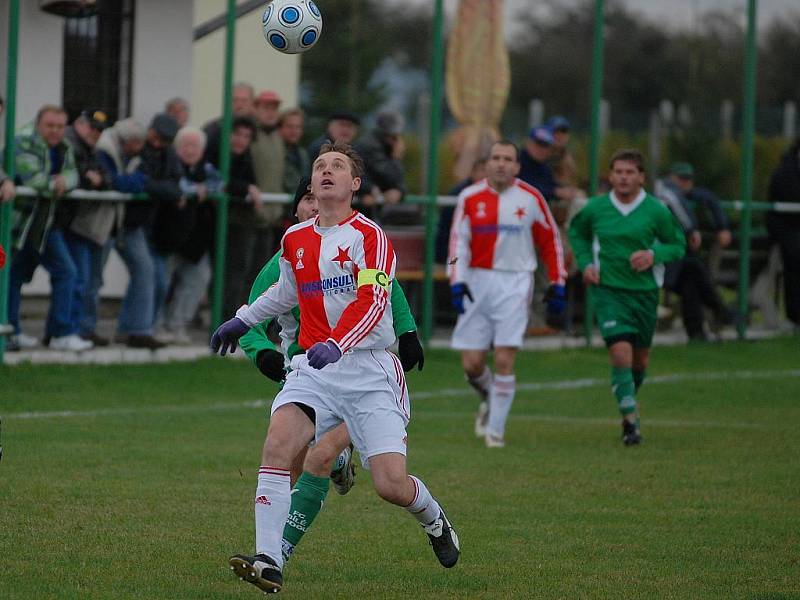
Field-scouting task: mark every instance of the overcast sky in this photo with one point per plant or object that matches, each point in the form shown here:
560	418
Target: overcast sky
673	13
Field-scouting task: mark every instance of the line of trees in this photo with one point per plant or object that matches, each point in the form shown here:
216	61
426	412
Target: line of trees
551	59
374	53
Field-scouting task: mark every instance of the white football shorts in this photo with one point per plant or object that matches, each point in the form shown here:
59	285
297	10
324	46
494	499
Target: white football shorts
366	389
498	313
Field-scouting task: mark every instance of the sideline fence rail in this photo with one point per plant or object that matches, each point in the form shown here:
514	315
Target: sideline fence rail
440	201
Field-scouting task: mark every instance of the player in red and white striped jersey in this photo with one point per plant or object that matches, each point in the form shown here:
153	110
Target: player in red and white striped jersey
496	225
338	268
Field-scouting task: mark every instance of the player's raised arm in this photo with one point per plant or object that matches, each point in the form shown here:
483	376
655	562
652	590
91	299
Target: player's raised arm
376	271
277	299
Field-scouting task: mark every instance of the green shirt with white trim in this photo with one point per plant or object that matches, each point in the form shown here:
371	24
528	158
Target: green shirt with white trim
606	232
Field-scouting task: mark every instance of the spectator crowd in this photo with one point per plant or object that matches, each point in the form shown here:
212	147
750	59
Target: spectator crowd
166	235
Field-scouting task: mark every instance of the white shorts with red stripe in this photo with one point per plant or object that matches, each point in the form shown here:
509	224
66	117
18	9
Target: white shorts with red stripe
498	314
366	389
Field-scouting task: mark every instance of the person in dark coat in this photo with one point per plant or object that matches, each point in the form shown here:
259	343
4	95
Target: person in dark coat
784	227
186	231
162	168
342	127
245	198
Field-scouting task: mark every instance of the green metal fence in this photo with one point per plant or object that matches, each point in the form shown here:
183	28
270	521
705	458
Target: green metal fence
430	200
431	205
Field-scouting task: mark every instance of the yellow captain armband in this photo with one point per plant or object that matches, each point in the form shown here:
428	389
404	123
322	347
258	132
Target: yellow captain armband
373	277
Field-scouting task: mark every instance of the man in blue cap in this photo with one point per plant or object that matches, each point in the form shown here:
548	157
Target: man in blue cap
535	170
533	162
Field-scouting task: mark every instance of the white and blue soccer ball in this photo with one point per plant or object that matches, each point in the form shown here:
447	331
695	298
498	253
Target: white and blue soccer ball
291	26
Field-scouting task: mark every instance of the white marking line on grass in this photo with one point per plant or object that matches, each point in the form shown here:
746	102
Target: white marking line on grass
452	392
161	408
572	384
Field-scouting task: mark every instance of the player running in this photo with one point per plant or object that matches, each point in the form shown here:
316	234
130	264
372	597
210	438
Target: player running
312	470
338	268
491	263
621	241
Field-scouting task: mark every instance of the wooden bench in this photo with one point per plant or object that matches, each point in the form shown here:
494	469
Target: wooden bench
409	248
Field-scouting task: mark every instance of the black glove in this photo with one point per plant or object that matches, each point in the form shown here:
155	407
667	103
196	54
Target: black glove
410	351
270	363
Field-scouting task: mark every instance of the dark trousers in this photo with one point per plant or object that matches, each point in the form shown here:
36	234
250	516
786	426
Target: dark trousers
238	260
697	292
248	250
266	244
788	240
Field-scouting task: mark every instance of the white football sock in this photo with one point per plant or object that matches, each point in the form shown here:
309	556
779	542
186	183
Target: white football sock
424	506
483	382
272	508
500	400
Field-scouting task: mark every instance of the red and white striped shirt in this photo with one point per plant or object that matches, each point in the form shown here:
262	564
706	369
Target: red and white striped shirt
340	277
498	231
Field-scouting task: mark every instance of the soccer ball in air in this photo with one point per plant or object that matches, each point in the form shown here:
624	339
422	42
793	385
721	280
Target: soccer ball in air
291	26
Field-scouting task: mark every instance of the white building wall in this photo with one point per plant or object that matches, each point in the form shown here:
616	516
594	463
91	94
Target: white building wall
41	54
162	55
162	68
167	63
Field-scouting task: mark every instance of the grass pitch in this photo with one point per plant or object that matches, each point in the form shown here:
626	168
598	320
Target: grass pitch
137	482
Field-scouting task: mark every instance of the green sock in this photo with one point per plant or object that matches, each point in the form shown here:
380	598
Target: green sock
308	496
624	389
638	378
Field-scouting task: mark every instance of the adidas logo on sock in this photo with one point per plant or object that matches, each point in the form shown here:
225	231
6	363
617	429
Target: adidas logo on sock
263	500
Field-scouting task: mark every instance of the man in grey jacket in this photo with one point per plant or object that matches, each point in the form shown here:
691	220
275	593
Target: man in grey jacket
118	151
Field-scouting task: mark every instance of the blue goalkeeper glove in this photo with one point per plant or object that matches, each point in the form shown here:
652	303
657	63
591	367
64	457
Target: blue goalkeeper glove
556	299
227	336
322	354
458	292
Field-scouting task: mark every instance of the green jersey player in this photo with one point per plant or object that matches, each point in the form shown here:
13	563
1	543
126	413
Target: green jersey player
311	469
621	241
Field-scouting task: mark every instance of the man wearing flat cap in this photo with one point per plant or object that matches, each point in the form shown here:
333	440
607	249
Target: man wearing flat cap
383	149
342	127
162	167
83	135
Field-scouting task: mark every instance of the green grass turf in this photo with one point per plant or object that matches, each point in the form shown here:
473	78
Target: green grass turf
150	497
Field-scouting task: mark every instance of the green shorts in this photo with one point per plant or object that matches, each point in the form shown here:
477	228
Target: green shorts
626	314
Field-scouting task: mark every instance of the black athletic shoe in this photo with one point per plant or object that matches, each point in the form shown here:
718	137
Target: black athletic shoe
260	570
444	540
630	434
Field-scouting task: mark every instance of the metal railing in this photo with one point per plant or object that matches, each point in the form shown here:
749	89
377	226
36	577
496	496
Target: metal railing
439	202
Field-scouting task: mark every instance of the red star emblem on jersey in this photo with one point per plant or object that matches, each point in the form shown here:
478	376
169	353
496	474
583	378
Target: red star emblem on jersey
342	257
520	212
